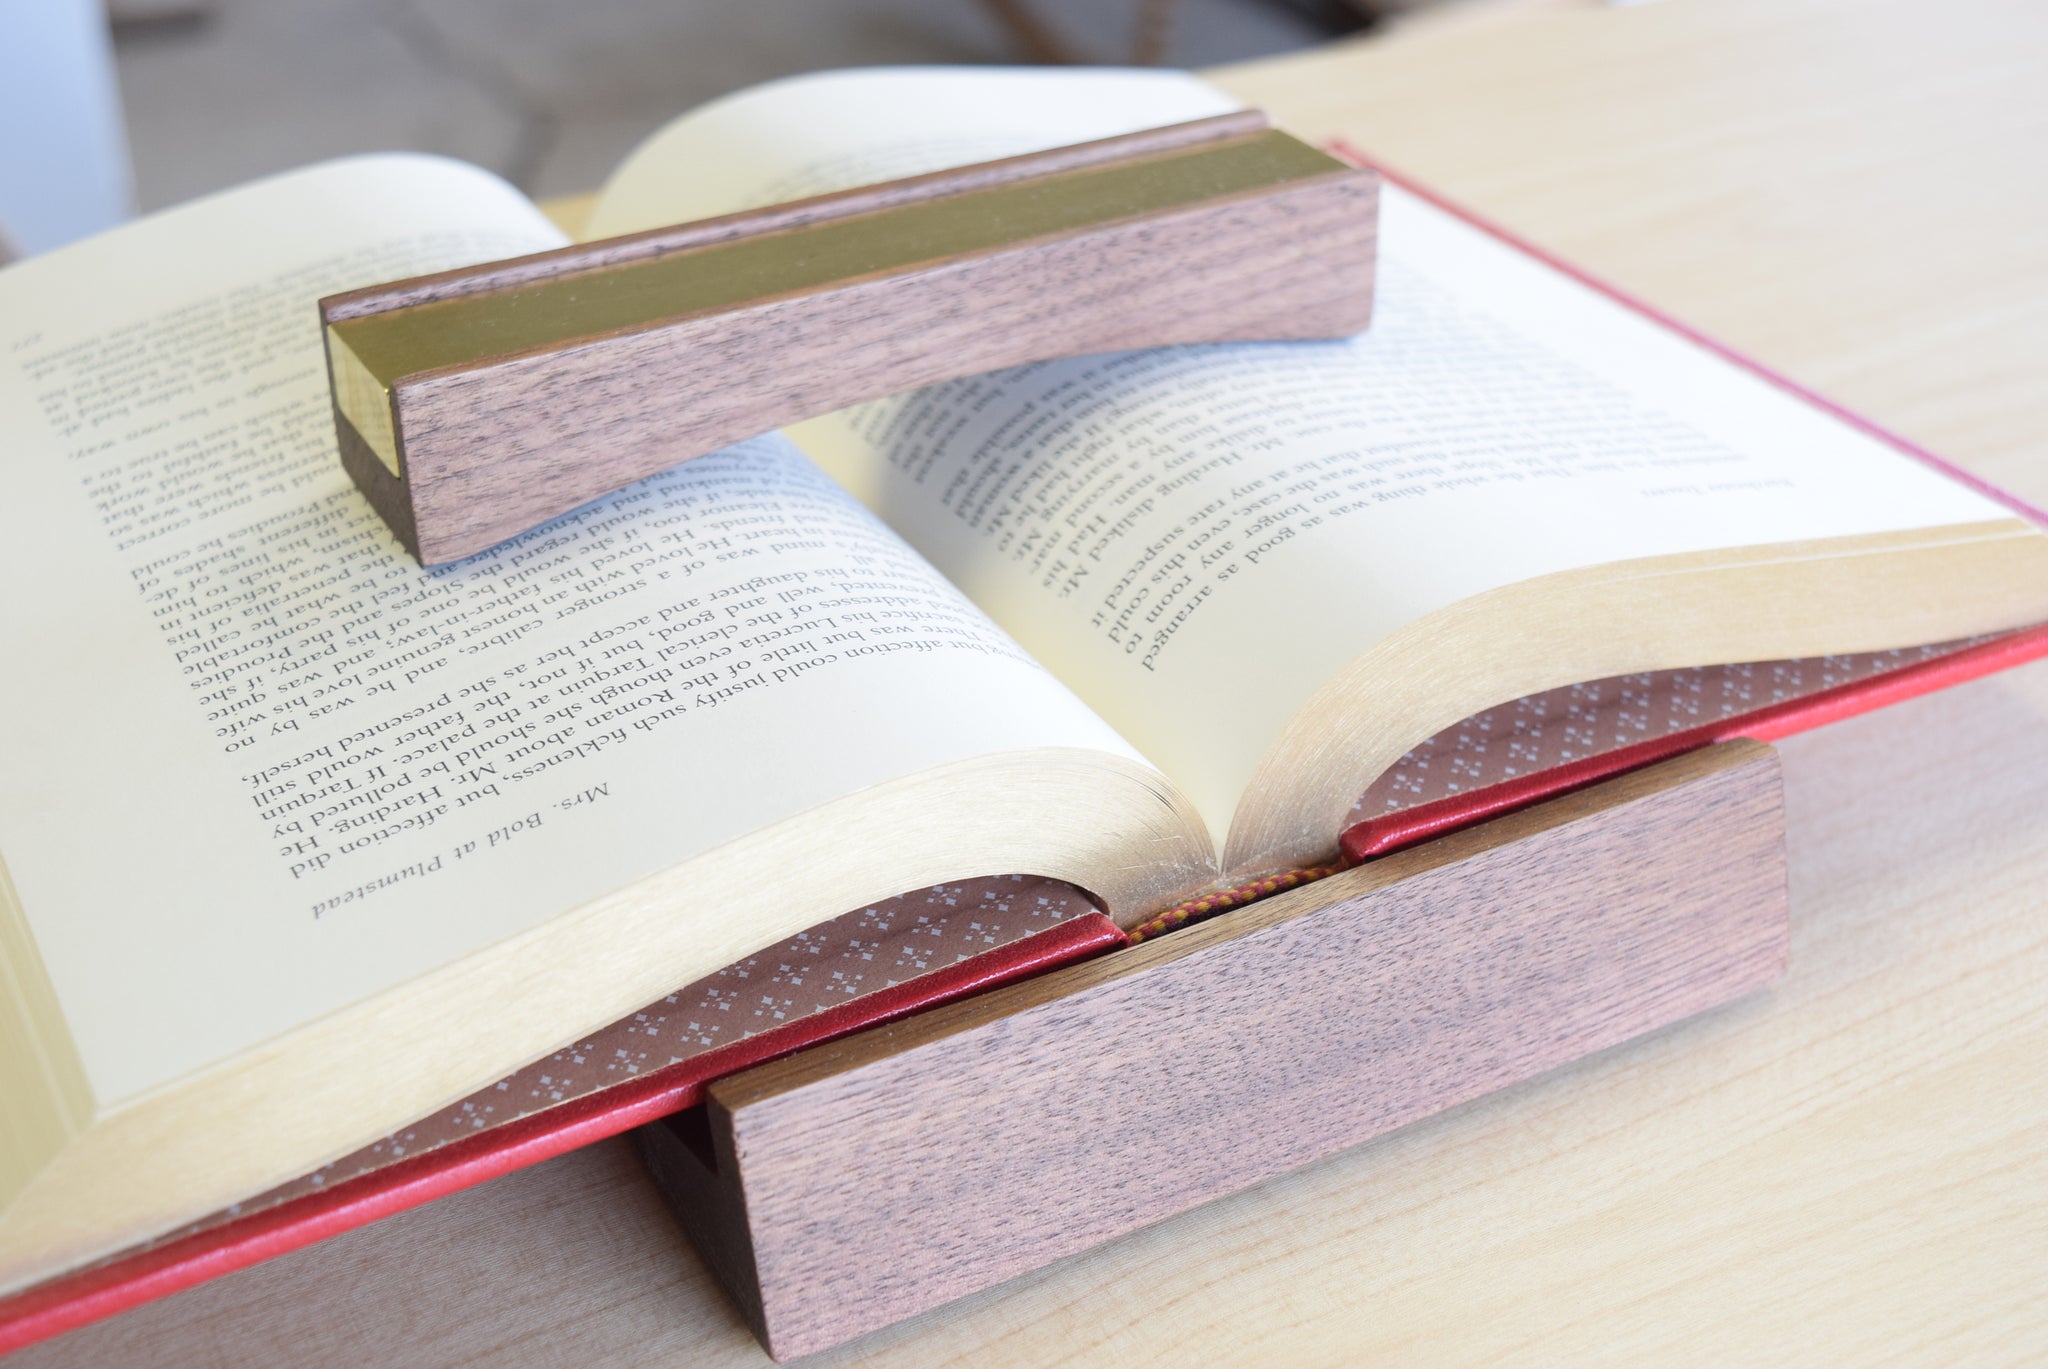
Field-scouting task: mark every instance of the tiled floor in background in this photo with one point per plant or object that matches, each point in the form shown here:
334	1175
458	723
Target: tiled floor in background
550	93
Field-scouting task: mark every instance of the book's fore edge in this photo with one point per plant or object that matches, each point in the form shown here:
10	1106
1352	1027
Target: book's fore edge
48	1098
1800	599
1345	150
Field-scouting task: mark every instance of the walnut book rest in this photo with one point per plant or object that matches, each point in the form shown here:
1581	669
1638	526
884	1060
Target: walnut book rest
855	1184
476	404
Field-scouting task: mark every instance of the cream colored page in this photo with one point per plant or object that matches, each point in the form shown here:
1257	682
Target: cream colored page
812	134
259	764
1196	539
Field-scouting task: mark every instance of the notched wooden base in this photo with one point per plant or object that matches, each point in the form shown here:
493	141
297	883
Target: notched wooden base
851	1186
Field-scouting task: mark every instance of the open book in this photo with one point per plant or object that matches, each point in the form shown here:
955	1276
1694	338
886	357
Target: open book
303	841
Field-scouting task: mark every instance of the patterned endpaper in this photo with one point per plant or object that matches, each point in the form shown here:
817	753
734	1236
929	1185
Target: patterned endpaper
1546	731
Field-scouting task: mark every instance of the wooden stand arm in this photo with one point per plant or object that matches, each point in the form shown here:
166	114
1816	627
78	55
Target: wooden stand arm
851	1186
475	404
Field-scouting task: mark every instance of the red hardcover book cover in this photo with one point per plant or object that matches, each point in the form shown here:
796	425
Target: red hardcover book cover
1507	758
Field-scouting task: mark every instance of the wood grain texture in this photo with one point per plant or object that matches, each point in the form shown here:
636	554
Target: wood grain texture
1847	1169
492	447
907	1166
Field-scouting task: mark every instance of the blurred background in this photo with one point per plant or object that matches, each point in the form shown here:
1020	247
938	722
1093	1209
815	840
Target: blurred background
137	104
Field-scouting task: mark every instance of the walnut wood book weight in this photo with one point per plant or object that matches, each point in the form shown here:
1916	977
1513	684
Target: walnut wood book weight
856	1184
475	404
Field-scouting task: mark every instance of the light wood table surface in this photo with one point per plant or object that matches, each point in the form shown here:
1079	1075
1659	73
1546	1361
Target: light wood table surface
1851	1167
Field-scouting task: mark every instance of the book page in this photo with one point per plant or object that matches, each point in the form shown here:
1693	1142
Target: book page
1198	538
812	134
262	765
